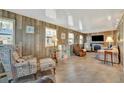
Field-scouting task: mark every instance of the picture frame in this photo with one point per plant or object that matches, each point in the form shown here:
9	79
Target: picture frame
30	29
63	36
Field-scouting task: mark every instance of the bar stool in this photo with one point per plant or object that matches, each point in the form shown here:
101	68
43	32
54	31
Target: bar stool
105	56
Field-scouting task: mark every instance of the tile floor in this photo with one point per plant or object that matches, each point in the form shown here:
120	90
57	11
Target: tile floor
88	70
85	70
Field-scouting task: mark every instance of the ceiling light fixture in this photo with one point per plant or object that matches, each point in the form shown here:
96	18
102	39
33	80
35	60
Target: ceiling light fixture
109	18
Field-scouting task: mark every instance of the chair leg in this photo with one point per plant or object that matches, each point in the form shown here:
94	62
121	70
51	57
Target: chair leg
54	70
112	59
104	58
35	76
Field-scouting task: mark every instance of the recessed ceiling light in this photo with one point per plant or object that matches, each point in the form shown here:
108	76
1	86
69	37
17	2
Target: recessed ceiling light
109	18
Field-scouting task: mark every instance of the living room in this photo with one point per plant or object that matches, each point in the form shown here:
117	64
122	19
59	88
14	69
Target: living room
62	46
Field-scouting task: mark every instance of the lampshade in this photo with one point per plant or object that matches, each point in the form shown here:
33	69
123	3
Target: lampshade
109	39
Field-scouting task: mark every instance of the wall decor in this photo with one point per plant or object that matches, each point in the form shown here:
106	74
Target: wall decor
6	27
29	29
6	31
62	35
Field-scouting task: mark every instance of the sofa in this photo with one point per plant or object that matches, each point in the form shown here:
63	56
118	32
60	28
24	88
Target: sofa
100	55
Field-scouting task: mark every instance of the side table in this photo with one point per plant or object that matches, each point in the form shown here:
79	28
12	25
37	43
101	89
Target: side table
108	52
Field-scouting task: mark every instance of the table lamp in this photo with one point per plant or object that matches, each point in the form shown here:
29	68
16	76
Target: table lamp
109	40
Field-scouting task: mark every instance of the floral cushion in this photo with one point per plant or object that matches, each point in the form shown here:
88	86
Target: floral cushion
47	63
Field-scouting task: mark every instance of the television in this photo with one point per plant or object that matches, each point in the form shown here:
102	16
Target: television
98	38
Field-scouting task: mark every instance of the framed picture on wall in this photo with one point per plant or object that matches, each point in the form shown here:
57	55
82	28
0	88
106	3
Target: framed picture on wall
62	35
30	29
6	31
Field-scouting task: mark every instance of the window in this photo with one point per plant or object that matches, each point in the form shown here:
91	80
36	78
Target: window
50	34
70	38
81	39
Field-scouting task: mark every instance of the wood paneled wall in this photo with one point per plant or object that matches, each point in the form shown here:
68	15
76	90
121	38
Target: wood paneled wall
34	44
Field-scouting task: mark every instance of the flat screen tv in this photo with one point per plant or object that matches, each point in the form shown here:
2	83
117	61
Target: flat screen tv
98	38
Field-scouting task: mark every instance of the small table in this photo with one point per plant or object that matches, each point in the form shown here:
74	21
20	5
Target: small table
108	52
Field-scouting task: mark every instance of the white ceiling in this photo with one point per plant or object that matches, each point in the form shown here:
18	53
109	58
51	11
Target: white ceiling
93	20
